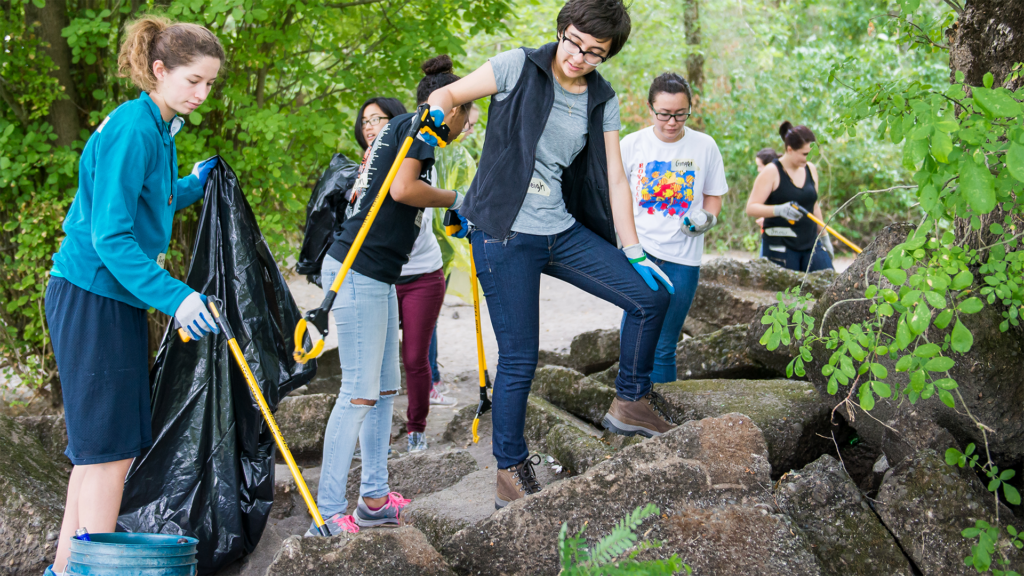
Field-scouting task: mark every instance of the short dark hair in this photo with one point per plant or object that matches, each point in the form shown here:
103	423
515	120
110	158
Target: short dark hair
602	19
795	136
390	106
767	155
669	83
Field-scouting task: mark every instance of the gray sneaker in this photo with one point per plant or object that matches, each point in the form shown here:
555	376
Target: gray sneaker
388	515
358	454
417	442
337	524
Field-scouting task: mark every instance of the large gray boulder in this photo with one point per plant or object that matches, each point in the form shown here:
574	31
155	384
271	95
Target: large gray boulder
845	534
52	433
420	473
988	375
303	423
589	352
789	413
396	552
32	492
926	504
574	449
710	465
720	354
573	392
730	291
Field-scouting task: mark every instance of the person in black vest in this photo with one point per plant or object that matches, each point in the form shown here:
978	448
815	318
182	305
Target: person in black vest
789	239
549	197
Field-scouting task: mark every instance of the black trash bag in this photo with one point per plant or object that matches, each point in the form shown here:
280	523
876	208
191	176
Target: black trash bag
210	471
329	193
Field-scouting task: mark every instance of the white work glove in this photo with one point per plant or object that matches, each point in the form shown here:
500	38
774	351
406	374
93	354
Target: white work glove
459	197
787	211
647	269
195	317
697	223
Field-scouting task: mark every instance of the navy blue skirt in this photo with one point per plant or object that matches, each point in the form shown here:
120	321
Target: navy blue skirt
101	346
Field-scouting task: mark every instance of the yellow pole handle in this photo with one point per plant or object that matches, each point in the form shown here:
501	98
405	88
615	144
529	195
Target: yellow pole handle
481	359
831	231
254	388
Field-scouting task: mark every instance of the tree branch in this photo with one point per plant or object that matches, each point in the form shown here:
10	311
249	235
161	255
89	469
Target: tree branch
16	106
351	4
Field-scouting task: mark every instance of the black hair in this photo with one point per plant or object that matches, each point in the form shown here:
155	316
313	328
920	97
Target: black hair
795	136
669	83
391	107
437	73
602	19
767	155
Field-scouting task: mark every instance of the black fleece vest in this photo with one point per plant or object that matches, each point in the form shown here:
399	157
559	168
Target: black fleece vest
514	126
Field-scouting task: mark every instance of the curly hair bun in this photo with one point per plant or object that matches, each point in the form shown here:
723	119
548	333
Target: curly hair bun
438	65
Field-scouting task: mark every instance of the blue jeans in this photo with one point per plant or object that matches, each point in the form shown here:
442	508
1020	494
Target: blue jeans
798	260
509	273
366	313
684	278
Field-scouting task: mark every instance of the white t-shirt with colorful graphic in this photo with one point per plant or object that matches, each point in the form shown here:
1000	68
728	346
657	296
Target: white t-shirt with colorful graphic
668	180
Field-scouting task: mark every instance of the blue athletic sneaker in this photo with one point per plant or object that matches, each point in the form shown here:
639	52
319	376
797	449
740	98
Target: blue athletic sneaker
49	571
337	524
389	513
417	442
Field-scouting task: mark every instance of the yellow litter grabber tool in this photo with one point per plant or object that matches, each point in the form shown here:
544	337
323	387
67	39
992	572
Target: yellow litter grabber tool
315	321
215	305
481	360
830	230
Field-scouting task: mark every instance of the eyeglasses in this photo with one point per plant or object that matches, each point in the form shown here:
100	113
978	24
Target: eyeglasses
374	120
575	49
665	116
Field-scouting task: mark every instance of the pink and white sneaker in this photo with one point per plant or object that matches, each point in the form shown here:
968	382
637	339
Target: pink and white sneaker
388	514
438	399
337	524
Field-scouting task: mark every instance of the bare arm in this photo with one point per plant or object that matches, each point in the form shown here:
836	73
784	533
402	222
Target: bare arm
817	205
618	192
478	84
713	204
410	190
767	181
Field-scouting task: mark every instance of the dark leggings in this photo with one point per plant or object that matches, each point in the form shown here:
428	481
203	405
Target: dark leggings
419	304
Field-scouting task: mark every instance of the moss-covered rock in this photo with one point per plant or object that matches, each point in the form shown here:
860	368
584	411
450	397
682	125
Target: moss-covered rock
573	392
396	552
542	416
790	413
721	354
418	474
607	377
32	493
303	423
594	351
844	532
574	449
926	504
762	274
52	433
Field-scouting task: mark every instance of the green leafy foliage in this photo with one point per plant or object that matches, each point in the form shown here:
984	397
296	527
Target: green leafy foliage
614	554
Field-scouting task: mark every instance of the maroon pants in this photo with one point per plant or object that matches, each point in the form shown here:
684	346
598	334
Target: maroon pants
419	304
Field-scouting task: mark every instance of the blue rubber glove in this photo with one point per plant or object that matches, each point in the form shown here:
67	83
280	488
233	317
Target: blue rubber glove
202	169
195	317
647	269
462	222
434	131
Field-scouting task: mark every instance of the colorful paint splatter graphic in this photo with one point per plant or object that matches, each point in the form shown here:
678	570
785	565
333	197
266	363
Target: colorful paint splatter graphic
663	190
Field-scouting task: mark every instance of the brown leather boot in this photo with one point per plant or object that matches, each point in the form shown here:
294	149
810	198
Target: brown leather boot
644	417
516	482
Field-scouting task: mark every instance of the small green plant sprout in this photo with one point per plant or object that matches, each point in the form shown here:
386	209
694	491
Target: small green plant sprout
615	554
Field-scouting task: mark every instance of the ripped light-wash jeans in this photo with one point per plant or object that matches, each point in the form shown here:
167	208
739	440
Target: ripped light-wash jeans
366	316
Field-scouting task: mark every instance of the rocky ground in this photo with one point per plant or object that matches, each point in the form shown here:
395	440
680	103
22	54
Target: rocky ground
762	476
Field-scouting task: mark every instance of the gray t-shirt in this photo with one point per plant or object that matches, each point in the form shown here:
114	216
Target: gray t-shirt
564	136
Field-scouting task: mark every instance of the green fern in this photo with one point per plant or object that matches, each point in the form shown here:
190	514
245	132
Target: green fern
600	559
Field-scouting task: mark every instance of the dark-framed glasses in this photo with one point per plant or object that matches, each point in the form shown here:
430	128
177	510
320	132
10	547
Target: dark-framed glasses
665	116
374	120
574	49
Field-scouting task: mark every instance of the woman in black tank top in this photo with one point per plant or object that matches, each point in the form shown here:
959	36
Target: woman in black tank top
790	240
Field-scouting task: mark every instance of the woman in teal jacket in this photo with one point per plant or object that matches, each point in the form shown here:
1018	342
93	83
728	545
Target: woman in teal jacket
109	268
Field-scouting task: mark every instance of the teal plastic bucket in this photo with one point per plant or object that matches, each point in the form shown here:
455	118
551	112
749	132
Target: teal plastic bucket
121	554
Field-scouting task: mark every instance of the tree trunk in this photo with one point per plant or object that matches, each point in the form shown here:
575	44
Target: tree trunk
695	61
987	37
46	23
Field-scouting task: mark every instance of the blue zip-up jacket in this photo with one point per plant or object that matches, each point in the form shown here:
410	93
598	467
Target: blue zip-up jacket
119	225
